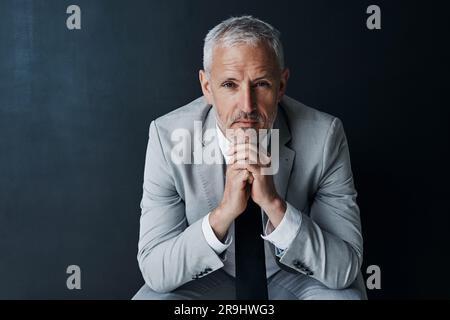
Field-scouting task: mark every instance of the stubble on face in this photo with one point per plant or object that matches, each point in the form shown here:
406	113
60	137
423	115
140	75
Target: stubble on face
245	81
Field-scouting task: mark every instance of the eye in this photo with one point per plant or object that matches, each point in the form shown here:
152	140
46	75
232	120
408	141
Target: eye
229	85
263	84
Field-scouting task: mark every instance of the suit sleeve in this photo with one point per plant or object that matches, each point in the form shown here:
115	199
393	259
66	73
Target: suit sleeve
170	253
329	245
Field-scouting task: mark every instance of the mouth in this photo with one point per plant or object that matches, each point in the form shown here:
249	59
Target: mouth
245	123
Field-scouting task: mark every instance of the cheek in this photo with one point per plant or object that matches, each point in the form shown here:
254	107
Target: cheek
267	98
224	104
269	107
226	112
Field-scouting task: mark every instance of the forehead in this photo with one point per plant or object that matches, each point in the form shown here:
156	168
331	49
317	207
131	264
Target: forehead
244	57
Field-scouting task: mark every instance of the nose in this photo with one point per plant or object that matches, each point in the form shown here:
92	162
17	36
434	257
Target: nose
247	99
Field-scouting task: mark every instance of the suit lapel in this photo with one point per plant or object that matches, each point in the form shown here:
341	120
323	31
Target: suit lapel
211	175
286	154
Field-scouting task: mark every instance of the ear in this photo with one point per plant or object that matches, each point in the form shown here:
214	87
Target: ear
206	86
283	83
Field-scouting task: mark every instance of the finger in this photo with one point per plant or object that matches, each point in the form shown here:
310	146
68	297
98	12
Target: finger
259	149
241	146
242	136
244	151
247	156
252	168
245	175
241	152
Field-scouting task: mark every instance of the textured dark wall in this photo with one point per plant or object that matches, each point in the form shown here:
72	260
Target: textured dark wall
75	107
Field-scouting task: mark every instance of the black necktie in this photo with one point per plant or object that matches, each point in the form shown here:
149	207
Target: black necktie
251	281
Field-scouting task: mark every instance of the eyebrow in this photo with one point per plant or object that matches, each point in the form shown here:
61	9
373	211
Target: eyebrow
229	79
265	76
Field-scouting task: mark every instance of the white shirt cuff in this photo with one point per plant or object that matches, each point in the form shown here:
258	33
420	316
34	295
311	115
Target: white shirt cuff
283	235
215	244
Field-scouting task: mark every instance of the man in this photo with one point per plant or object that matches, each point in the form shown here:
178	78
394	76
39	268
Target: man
310	237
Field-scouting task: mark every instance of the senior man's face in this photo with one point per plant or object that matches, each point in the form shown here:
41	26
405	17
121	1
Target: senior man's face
245	86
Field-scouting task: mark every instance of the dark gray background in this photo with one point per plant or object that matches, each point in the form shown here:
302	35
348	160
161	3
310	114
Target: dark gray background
75	107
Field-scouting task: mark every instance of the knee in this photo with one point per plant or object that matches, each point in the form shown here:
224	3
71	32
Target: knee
333	294
350	294
145	293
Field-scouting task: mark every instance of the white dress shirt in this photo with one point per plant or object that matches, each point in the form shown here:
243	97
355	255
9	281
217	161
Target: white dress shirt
281	237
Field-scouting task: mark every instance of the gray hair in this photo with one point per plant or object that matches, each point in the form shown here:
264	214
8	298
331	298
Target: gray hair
242	30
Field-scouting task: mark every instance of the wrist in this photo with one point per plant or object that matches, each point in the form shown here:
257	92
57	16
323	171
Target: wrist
218	224
275	210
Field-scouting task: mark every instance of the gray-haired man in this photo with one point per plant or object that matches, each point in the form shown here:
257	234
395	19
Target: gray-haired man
312	247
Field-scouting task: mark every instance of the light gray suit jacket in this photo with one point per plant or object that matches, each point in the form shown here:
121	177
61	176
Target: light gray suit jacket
314	176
